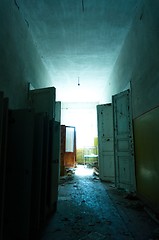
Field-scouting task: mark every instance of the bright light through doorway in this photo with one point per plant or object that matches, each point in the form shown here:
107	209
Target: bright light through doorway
82	170
84	118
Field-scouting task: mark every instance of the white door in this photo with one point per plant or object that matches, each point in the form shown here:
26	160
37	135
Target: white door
123	142
105	142
43	100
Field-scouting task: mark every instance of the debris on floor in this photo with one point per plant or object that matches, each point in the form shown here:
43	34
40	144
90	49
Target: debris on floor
95	178
131	196
90	209
96	171
70	171
94	236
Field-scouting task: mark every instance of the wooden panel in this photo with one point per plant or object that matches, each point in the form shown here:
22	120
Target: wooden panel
68	159
37	174
1	164
55	162
3	161
70	153
63	143
58	112
43	100
43	214
1	122
106	142
50	180
4	153
19	175
123	142
146	131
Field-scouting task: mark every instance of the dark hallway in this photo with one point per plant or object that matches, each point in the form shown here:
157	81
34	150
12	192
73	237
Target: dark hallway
90	209
89	65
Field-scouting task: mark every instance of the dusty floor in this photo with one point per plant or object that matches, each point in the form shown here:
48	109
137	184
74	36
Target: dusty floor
89	209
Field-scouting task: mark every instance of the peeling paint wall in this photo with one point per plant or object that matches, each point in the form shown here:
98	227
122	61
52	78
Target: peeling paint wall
19	61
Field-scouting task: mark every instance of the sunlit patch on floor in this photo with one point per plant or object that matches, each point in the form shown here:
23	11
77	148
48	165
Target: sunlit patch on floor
82	170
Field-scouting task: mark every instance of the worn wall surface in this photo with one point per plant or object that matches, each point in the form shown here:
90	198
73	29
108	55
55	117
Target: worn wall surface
19	61
138	62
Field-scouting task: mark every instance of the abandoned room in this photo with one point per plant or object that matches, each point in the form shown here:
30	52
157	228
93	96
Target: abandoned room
79	113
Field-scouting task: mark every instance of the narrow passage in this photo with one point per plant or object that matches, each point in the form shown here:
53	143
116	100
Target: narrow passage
89	209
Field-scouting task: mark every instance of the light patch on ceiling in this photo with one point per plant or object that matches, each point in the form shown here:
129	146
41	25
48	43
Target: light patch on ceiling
79	39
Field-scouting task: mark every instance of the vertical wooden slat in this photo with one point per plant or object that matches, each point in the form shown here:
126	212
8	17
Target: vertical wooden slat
1	164
19	175
3	154
63	144
43	207
37	174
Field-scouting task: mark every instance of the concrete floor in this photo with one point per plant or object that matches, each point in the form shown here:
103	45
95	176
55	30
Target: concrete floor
89	209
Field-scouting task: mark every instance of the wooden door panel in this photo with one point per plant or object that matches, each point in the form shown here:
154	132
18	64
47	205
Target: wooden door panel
105	142
123	141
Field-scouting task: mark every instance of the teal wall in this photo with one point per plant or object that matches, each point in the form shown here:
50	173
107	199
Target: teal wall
138	66
19	61
138	62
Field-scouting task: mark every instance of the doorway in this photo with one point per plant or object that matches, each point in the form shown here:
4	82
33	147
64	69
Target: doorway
68	148
83	117
115	142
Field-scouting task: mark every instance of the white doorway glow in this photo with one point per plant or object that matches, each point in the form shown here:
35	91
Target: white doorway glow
83	117
82	170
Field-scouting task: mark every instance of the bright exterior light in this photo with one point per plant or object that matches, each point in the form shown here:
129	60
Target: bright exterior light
82	170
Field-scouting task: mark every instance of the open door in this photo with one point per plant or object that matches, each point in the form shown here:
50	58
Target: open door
43	100
123	142
105	142
68	148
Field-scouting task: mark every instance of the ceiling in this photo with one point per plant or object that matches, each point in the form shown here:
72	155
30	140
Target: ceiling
79	42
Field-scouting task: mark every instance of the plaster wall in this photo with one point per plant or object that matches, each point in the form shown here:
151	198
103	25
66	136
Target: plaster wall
138	62
19	61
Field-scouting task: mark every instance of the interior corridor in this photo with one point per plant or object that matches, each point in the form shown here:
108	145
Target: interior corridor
89	209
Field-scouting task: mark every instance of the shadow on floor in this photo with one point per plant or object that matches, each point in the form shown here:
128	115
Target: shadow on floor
89	209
